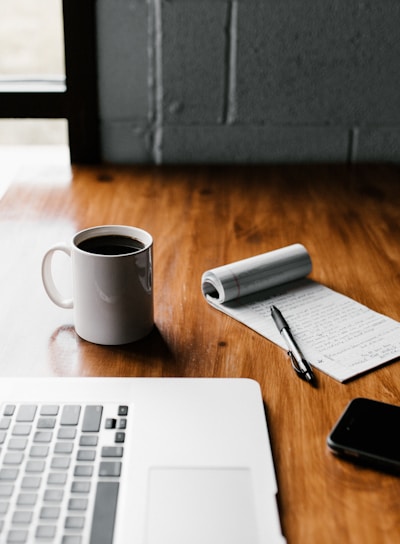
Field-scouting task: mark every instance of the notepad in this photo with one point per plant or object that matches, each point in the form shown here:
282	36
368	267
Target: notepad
337	334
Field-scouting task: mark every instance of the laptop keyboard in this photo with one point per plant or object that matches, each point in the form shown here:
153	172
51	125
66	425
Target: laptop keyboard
60	468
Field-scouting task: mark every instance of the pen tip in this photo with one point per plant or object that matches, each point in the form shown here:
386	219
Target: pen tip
310	378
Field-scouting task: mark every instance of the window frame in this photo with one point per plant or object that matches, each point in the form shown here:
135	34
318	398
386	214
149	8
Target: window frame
74	97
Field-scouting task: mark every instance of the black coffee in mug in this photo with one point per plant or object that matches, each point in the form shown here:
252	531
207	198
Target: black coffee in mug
111	244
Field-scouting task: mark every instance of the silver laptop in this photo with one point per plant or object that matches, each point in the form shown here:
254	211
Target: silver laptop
141	460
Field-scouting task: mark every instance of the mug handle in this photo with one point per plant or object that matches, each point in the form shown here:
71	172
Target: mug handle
47	277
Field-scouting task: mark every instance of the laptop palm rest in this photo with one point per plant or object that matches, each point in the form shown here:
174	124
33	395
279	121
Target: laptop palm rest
198	505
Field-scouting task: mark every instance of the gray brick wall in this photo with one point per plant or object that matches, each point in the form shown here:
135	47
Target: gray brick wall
249	81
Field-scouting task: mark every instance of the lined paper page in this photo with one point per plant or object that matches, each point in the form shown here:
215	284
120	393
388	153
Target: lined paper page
338	335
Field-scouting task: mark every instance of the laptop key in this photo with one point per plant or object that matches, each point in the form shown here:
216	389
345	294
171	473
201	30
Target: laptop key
43	436
17	444
16	536
105	507
119	437
86	455
31	482
111	423
80	487
8	474
63	447
5	423
13	458
53	495
88	440
71	539
3	508
77	504
27	499
112	451
110	468
123	410
66	433
39	451
21	430
24	517
122	423
50	512
83	471
74	522
45	531
49	410
35	466
26	412
92	419
6	490
57	478
46	423
70	414
60	463
9	410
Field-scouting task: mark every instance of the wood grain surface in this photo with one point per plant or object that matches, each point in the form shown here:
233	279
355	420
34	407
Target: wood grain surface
201	217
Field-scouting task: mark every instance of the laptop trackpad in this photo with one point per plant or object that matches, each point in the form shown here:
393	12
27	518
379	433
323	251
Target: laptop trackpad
201	505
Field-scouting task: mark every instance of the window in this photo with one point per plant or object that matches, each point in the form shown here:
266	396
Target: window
70	94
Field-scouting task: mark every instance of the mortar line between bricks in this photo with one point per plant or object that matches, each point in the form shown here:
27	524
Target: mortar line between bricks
353	144
229	112
158	84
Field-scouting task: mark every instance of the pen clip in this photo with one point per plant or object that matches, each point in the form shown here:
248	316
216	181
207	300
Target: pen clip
295	365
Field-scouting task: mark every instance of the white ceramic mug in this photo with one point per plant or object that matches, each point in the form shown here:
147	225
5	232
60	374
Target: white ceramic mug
112	293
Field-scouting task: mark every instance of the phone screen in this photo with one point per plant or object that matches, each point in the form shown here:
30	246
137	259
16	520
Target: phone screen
368	429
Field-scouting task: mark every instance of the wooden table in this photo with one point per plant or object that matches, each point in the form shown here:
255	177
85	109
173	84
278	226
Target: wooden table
202	217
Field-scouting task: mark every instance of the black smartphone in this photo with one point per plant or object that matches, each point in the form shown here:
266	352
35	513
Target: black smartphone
368	432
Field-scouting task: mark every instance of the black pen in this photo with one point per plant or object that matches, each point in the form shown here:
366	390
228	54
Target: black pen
299	363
